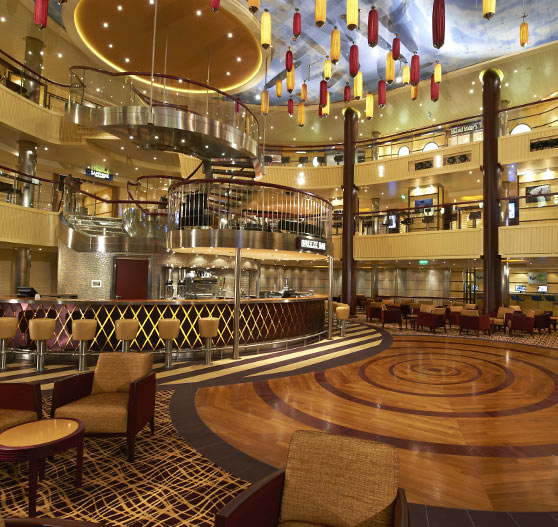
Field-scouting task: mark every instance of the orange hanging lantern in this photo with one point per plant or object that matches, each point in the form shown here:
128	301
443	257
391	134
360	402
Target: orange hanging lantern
266	29
303	92
253	6
488	8
279	88
357	87
437	73
405	74
370	106
265	102
320	12
300	114
297	24
335	51
390	68
291	80
434	89
327	68
41	13
352	14
414	92
524	32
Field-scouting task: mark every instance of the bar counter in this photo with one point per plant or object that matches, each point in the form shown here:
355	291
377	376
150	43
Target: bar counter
261	320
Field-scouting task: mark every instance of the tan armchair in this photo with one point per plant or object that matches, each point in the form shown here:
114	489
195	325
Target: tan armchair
499	321
329	481
20	402
117	399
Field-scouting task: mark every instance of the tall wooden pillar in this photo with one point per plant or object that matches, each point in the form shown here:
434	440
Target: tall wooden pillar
491	79
350	209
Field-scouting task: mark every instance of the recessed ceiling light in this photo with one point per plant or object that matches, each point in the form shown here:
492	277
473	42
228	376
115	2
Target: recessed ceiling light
104	160
59	55
127	59
121	148
471	91
238	59
105	24
507	84
154	158
2	18
46	147
230	35
110	46
119	8
198	12
228	73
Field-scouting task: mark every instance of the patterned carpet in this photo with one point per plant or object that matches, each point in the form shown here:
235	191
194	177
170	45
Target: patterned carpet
169	483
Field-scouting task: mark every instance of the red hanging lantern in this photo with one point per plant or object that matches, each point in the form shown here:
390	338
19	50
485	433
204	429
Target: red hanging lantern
396	48
347	93
297	24
215	5
372	27
289	60
434	89
323	92
438	23
237	105
382	94
415	70
41	13
290	107
353	60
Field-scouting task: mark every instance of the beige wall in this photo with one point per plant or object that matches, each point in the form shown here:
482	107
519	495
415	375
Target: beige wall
43	272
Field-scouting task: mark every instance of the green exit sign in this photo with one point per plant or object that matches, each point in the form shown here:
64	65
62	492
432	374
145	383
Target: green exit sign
423	262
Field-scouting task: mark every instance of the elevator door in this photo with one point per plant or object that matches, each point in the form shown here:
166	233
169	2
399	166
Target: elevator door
132	279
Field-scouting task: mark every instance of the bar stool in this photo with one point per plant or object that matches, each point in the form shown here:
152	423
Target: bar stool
8	327
209	328
168	329
40	330
83	330
342	312
126	331
334	306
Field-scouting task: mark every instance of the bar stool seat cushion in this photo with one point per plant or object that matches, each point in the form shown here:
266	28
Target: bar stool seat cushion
8	327
9	418
342	312
115	371
126	328
41	328
168	328
84	329
209	327
101	413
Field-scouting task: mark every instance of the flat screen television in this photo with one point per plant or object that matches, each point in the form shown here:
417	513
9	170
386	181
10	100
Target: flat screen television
534	193
542	289
520	288
428	202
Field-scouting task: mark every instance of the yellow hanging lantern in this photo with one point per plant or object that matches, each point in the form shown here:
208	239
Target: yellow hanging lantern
279	88
414	92
304	92
438	73
370	106
265	102
488	8
320	12
524	33
357	86
291	80
352	14
325	109
266	29
335	52
390	68
300	114
327	68
253	6
406	74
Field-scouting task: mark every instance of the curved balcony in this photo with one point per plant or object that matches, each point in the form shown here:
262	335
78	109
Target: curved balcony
220	215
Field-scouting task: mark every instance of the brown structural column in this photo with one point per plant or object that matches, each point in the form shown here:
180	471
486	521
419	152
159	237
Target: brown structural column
348	288
491	80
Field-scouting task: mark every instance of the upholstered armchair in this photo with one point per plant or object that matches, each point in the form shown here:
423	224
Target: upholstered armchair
374	310
454	315
436	318
470	320
392	315
20	402
329	480
522	323
118	398
498	320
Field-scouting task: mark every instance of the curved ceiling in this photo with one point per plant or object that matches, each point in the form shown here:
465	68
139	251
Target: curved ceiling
120	33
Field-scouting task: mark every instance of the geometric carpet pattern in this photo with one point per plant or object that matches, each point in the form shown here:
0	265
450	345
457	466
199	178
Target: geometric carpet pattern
168	484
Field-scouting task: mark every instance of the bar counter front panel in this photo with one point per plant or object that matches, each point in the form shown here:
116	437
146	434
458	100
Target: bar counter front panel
261	320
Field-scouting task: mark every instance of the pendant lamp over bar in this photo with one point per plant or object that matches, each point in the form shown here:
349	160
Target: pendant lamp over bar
265	102
327	68
415	69
323	93
291	80
289	60
437	73
357	88
373	27
353	60
382	94
215	4
290	107
414	92
352	14
524	32
405	74
41	13
347	93
253	6
266	29
335	52
303	92
300	114
488	8
279	88
297	24
396	48
390	68
370	106
434	89
320	12
438	23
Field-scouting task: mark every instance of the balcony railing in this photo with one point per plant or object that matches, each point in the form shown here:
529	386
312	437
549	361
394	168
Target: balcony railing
538	207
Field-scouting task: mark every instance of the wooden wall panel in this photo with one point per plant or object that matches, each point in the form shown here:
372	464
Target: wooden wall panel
516	148
315	177
26	226
536	239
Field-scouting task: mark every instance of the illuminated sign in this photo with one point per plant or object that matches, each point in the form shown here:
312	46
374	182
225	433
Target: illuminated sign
99	174
312	245
466	128
423	262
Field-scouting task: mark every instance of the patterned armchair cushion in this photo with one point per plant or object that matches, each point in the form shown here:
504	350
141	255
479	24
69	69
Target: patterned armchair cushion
115	371
338	481
9	418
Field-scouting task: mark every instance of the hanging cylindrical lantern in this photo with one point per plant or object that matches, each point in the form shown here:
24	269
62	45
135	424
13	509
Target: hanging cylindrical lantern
396	48
438	23
253	6
390	68
524	33
266	29
215	5
289	60
415	69
353	60
300	114
437	73
352	14
279	88
290	107
291	80
335	52
370	106
323	92
297	24
434	89
265	102
414	92
357	86
325	109
41	13
237	105
327	68
372	27
347	93
303	91
405	74
320	12
382	94
488	8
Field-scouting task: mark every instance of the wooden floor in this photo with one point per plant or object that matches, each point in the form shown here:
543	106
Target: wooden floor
475	422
